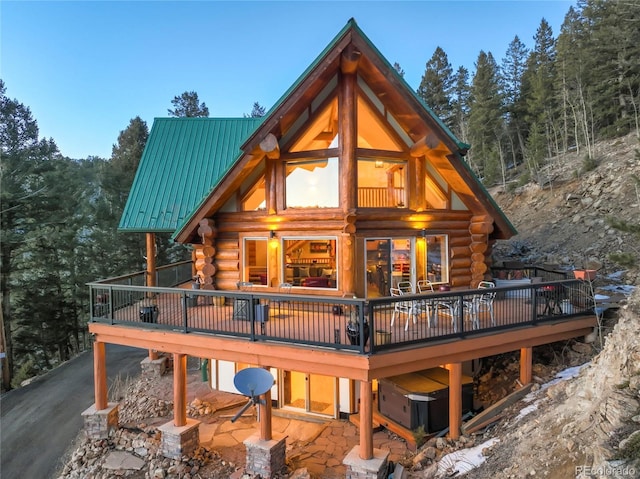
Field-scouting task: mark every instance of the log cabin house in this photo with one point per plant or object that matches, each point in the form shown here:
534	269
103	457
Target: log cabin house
348	187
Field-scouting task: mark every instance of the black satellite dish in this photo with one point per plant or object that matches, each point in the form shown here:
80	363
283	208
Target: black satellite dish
252	382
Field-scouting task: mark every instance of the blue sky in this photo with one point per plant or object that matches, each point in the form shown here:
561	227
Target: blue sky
86	68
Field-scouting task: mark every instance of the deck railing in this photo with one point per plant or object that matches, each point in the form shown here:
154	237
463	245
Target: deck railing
355	324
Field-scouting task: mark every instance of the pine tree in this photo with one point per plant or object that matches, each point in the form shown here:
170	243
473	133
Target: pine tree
436	86
541	104
511	75
460	103
258	111
485	118
186	105
116	177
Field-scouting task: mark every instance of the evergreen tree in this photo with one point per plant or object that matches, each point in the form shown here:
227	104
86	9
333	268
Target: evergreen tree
572	84
398	68
436	86
258	111
24	163
613	51
186	105
460	103
485	118
511	76
116	177
541	104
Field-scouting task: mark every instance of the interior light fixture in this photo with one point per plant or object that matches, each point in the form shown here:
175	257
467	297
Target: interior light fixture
379	164
272	234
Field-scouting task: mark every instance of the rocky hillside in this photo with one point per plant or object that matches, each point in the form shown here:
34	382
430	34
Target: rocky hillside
563	219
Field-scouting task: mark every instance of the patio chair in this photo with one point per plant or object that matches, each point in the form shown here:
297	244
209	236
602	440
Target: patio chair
406	287
402	307
426	305
480	303
284	289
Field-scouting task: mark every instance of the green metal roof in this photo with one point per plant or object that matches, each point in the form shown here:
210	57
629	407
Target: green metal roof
184	159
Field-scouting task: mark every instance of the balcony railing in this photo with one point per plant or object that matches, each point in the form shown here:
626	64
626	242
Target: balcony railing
359	325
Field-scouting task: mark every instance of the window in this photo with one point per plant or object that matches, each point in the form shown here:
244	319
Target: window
381	183
310	262
312	183
434	264
254	264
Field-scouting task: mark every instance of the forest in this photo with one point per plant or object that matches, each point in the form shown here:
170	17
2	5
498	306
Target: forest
60	215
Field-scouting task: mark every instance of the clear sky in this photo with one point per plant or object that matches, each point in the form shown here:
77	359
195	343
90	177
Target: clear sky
86	68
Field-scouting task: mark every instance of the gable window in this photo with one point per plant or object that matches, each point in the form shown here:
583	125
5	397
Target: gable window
254	261
312	183
310	262
382	183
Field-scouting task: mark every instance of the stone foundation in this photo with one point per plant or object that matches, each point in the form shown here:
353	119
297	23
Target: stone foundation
99	423
357	468
178	441
153	368
265	458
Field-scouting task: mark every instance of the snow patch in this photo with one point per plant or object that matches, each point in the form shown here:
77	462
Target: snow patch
464	460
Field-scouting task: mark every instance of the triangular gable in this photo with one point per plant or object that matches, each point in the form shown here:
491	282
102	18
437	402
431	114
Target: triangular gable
184	158
410	113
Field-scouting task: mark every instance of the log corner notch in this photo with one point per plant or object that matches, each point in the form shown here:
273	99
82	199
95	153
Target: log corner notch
480	228
204	253
349	59
429	142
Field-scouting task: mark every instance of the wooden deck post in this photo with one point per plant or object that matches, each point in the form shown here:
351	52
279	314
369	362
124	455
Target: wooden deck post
179	390
151	274
455	399
151	259
264	408
526	371
366	420
100	375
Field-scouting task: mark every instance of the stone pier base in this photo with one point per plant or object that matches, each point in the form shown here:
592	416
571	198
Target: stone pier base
265	458
153	368
99	423
357	468
178	441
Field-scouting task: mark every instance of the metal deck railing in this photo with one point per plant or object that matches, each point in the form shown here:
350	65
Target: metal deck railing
353	324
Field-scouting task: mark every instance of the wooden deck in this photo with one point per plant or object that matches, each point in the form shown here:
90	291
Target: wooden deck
325	321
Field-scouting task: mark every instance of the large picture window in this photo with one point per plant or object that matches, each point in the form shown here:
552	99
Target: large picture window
310	262
254	261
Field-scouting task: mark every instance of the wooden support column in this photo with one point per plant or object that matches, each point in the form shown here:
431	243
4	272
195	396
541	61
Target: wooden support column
100	375
151	274
366	420
179	390
270	186
348	130
264	409
455	399
526	360
151	259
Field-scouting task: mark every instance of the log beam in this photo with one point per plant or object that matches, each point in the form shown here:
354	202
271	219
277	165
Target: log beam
424	145
526	368
179	390
366	420
100	375
455	399
349	59
270	147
